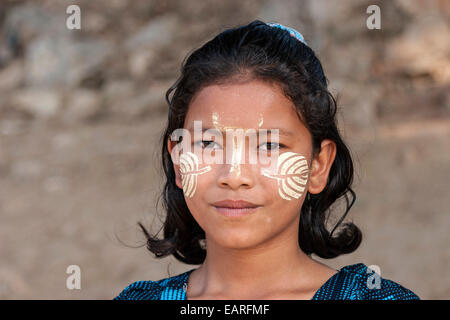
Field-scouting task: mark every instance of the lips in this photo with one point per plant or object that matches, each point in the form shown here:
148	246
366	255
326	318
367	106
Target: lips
235	208
234	204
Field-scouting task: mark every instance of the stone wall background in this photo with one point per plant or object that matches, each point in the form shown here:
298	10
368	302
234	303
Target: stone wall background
81	113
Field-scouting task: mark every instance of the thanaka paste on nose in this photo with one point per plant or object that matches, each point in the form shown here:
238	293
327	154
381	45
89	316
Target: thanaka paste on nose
238	144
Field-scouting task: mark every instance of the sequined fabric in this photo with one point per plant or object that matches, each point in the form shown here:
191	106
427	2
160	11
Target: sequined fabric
350	283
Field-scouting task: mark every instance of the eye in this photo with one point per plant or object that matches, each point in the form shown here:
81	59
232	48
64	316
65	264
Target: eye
207	144
273	145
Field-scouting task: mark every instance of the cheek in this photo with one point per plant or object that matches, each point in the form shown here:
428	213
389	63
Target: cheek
190	171
290	174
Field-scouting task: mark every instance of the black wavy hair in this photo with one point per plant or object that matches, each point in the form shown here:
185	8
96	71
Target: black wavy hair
259	51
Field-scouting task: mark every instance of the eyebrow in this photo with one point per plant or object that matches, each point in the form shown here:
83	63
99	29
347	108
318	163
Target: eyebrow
281	131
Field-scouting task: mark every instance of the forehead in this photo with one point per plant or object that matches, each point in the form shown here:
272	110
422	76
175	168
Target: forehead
246	105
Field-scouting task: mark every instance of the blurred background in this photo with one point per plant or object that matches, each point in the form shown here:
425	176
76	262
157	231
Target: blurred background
82	112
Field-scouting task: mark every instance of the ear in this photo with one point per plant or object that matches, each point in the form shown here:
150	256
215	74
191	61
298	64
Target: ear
176	167
320	167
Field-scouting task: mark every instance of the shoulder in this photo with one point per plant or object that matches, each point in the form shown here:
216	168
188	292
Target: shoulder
358	282
170	288
140	290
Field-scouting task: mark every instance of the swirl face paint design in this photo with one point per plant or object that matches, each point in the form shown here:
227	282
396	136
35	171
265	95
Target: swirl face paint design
291	175
189	171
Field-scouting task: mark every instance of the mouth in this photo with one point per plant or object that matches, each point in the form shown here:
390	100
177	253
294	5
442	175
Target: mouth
235	208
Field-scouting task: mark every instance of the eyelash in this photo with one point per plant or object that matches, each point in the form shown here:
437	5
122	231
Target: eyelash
280	145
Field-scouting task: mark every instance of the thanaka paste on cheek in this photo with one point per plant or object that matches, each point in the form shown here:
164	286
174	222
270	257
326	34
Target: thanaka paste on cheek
189	171
291	174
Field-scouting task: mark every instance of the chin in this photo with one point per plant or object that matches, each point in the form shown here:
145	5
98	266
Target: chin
238	239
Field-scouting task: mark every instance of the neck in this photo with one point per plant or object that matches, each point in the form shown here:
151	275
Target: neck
276	265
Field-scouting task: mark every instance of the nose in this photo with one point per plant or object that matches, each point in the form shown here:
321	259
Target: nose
237	172
235	176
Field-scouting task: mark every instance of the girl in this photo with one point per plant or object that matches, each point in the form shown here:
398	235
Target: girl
253	227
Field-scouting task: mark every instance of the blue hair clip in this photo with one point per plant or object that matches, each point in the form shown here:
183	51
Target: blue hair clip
291	31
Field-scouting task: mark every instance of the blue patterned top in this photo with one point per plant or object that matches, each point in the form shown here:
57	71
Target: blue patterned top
349	283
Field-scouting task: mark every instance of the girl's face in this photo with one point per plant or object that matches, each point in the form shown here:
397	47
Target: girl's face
279	193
